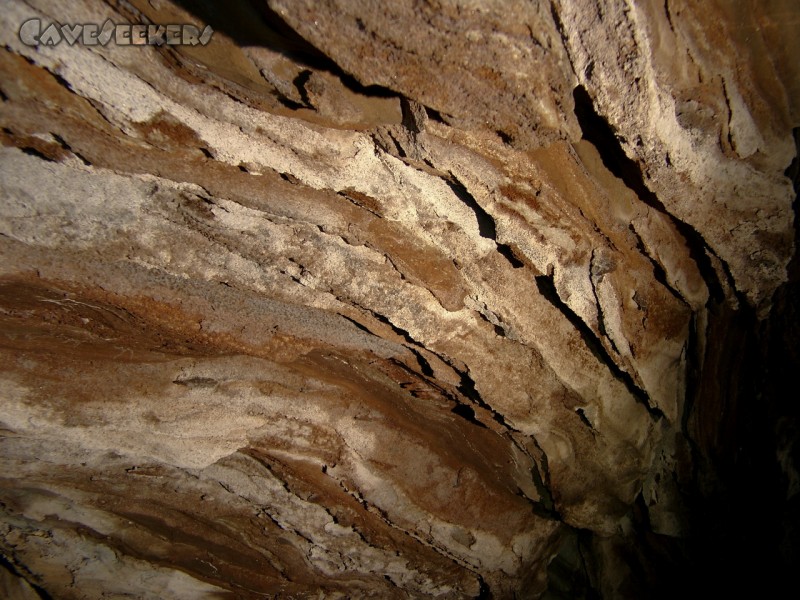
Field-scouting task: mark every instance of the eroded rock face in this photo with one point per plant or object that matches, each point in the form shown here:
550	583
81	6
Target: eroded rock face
381	299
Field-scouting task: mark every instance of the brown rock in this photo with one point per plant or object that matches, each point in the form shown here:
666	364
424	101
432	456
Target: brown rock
441	299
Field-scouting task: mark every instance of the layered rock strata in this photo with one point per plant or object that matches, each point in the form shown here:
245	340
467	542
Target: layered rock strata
379	299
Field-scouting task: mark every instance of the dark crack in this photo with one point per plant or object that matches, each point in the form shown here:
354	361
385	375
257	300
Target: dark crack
11	567
659	273
467	412
300	83
61	142
546	506
598	131
30	151
561	31
484	593
486	224
584	419
548	289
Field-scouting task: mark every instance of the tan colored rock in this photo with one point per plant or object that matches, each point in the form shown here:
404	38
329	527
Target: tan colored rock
375	300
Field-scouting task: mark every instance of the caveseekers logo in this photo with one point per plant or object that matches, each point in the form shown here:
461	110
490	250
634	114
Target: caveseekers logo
34	33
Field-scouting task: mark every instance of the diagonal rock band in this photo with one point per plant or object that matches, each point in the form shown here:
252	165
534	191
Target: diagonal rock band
337	299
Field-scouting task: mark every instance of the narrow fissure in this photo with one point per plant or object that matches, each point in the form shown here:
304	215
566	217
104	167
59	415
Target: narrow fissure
11	568
61	142
467	412
486	224
300	83
659	273
266	28
584	419
548	289
598	131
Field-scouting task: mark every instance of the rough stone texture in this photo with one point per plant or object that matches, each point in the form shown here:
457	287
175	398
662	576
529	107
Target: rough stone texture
412	299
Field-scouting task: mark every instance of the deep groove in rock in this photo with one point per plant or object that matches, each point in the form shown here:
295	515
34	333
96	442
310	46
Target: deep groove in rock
486	224
11	568
509	255
467	412
561	32
68	148
300	83
545	507
693	383
548	289
484	593
424	365
541	479
279	36
356	323
584	419
30	151
658	271
598	131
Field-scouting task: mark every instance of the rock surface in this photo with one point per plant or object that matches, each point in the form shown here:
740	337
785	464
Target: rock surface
449	299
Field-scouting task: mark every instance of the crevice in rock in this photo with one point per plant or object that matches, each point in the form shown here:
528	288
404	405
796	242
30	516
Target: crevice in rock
435	115
540	475
548	289
467	412
385	320
356	323
598	131
669	15
428	541
561	32
353	197
424	365
584	419
486	224
467	387
659	273
498	329
68	148
269	30
30	151
484	593
567	573
10	566
288	177
546	507
504	137
691	393
300	83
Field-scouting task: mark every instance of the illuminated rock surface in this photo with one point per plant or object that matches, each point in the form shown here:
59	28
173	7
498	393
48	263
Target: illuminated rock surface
440	299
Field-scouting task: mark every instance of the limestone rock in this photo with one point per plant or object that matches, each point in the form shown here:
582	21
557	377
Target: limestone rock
385	300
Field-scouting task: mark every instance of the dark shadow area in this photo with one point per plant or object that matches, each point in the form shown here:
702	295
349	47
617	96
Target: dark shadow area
254	23
744	498
468	413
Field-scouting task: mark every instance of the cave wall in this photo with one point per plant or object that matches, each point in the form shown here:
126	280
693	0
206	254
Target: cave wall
454	299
